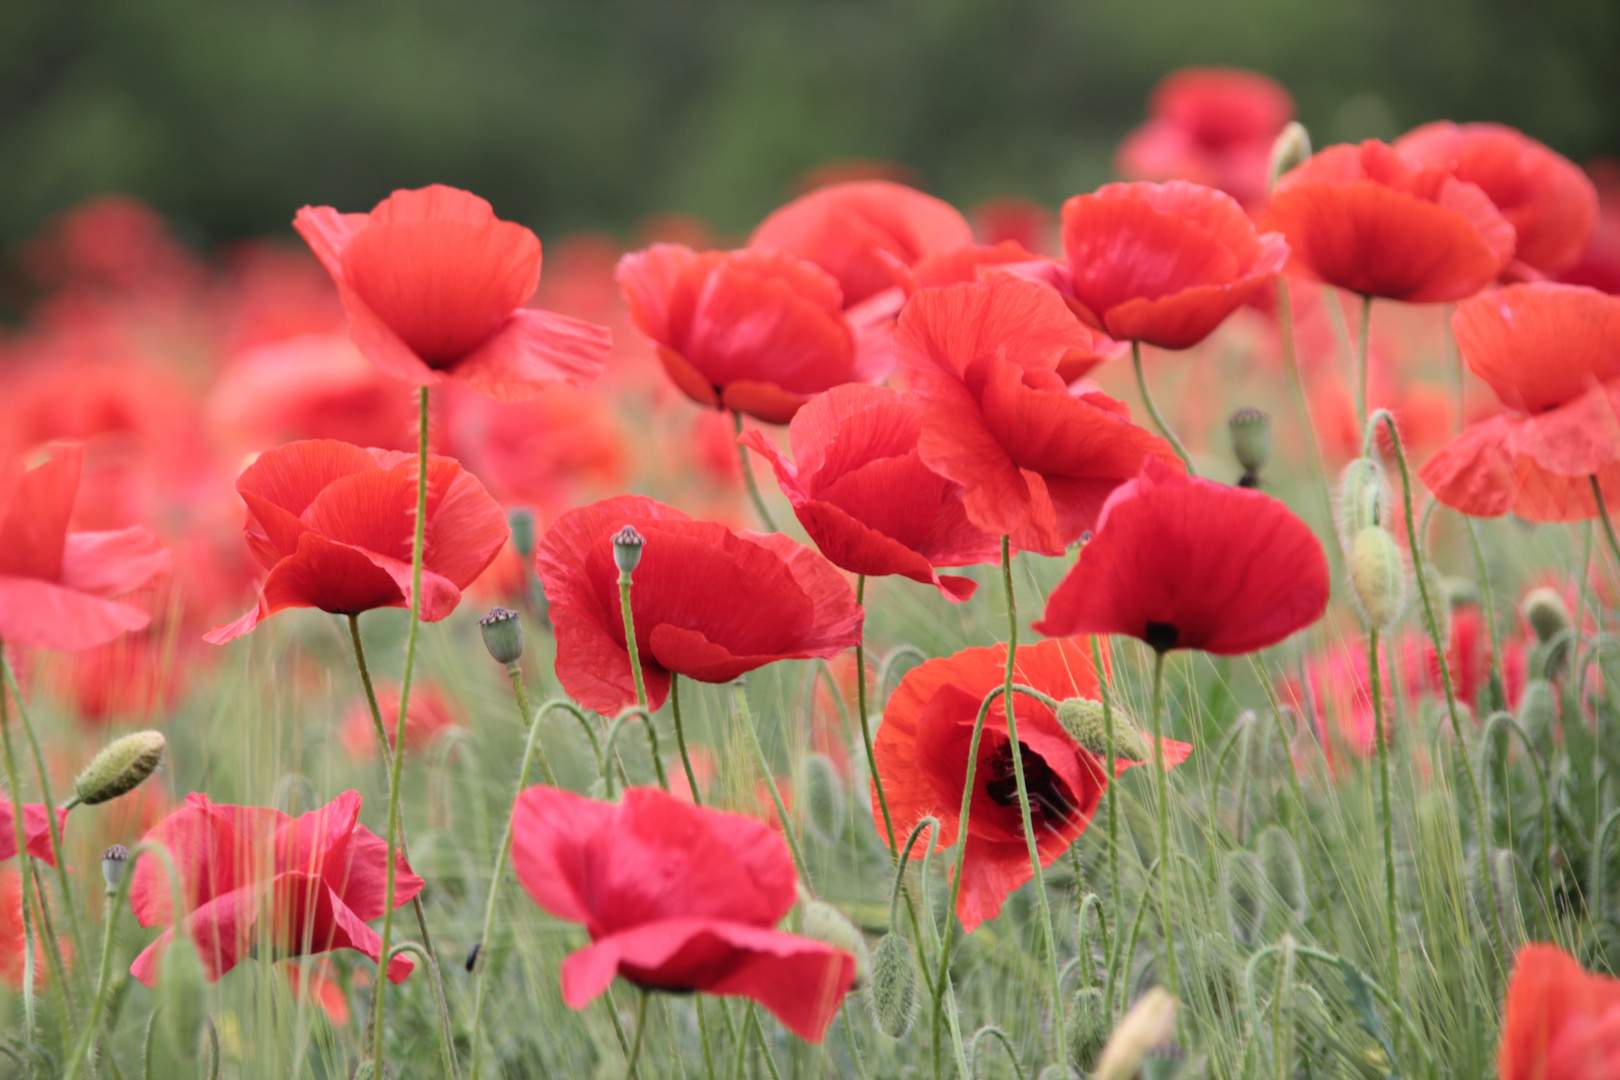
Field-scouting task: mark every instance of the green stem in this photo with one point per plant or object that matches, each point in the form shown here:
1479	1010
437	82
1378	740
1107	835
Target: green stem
1290	351
1505	719
1161	785
1608	524
1390	918
1153	411
741	696
520	690
866	724
1490	609
1361	363
116	900
17	815
641	1032
630	638
748	478
1114	890
680	743
927	822
447	1050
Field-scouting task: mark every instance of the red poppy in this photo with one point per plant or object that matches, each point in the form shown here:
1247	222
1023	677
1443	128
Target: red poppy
675	897
56	586
1550	203
757	332
36	831
1011	218
251	875
13	943
1035	461
136	677
1599	266
1552	354
434	285
1559	1022
862	492
1213	126
708	603
1164	264
1369	219
428	715
1186	563
922	747
334	526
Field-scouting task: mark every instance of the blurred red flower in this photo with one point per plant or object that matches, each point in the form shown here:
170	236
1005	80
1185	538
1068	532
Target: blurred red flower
1599	265
252	875
36	831
137	677
1035	461
1164	264
1552	354
708	603
334	526
430	712
434	286
322	989
13	946
1371	220
1550	203
1018	220
1559	1022
56	586
1185	563
862	492
922	756
675	897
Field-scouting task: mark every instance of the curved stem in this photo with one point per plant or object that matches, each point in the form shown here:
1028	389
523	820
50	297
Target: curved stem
748	478
1161	784
680	743
741	695
1390	919
447	1052
636	1040
1506	719
1608	524
1153	411
866	724
1361	362
520	690
1006	1044
927	822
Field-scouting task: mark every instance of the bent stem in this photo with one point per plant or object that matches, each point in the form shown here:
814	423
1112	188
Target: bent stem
741	693
866	724
1153	411
447	1053
1161	786
1390	922
748	478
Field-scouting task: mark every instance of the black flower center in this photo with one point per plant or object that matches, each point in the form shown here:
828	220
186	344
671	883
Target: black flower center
1048	794
1161	636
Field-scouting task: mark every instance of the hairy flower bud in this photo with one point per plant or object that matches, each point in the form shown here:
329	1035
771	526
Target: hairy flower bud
820	921
1247	904
1378	576
627	545
182	996
1279	858
1363	498
1291	150
521	522
1538	713
893	992
823	798
1544	609
1146	1026
503	635
1251	442
1083	719
114	861
1088	1027
120	767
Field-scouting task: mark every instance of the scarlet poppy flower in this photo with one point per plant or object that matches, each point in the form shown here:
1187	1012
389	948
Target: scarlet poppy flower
427	716
708	603
56	587
1552	354
1369	219
922	756
1550	203
675	897
1599	265
36	831
13	943
1164	264
862	492
1212	126
1185	563
252	876
333	525
1559	1022
1035	461
756	332
434	285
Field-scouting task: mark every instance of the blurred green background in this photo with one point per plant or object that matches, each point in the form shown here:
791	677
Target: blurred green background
227	115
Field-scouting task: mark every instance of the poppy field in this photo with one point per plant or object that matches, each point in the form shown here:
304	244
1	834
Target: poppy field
1169	635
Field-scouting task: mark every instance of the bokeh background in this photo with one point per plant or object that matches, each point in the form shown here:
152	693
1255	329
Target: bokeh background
227	115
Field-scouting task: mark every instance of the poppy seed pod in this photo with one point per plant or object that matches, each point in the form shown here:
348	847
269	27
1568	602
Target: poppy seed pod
114	861
503	635
1363	497
627	544
1146	1026
820	921
1083	719
1378	576
1545	611
521	521
893	992
823	798
1088	1027
1251	442
120	767
1291	150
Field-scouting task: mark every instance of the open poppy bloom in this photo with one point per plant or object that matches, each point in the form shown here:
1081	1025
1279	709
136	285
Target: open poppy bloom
675	897
253	877
1548	200
36	831
57	587
1371	220
1212	126
756	332
1559	1023
334	525
1185	563
862	492
1552	354
708	603
922	756
1035	461
434	285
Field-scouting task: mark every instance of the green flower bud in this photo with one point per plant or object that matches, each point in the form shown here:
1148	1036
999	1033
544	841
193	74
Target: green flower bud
1548	659
627	545
1251	442
1546	613
1363	498
114	861
820	921
1538	714
1147	1026
1088	1028
823	798
1377	576
1083	719
1291	150
893	992
182	996
1458	591
1279	858
503	635
521	522
1247	904
120	767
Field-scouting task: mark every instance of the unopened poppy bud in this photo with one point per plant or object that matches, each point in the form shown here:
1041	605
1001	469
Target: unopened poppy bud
1458	591
1377	576
1251	442
823	797
1246	900
1291	150
1279	858
1538	713
120	767
627	544
114	861
893	992
820	921
1083	719
1144	1028
521	522
1363	497
182	995
1088	1028
1546	613
503	635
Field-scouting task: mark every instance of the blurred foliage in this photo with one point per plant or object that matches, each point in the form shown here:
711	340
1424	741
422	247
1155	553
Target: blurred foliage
229	114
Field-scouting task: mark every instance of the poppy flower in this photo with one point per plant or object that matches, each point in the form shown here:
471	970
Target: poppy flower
57	587
1012	218
1548	200
36	831
1035	462
434	285
334	526
429	713
253	876
1371	220
1559	1022
862	492
756	332
13	941
675	897
1163	264
1185	563
921	751
1552	354
1599	265
708	603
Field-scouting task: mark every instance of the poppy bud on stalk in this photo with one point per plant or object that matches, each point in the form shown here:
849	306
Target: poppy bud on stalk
823	797
1538	713
893	992
1280	859
1251	443
1088	1027
1246	902
503	635
1363	497
1083	718
1291	150
521	522
627	544
820	921
120	767
1546	613
114	861
1378	576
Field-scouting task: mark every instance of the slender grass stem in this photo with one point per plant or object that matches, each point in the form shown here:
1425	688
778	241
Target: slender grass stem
1391	919
1490	609
866	723
680	744
1608	523
748	478
1153	410
30	1019
1361	363
741	695
1290	351
1115	893
640	1035
1161	785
